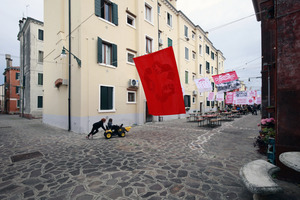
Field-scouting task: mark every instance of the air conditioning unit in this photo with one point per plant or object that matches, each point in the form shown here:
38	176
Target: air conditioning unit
160	42
194	92
133	83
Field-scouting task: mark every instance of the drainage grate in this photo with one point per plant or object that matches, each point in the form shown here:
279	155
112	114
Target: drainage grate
25	156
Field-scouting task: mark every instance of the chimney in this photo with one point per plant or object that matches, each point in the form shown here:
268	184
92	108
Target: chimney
8	60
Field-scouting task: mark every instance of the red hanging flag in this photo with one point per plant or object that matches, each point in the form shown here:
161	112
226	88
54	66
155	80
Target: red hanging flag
159	76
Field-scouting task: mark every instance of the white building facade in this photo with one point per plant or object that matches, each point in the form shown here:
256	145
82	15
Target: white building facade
105	36
31	37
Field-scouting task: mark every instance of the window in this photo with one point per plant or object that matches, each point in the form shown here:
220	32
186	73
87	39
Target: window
40	79
186	31
212	70
194	55
194	76
212	55
17	89
130	20
107	53
41	34
213	86
187	100
207	67
107	10
130	57
170	42
186	53
17	76
200	37
40	102
186	77
148	45
148	13
158	8
169	19
207	49
41	57
207	102
131	97
18	103
200	69
194	100
106	98
193	35
200	49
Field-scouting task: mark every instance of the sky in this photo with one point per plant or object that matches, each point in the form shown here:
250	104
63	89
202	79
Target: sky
231	24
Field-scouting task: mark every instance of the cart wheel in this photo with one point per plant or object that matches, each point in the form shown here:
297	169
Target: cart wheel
108	135
122	134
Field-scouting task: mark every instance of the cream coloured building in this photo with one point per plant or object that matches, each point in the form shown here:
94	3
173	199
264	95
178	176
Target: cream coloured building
105	36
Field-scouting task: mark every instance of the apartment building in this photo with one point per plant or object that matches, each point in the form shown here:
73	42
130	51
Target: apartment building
31	37
99	78
11	87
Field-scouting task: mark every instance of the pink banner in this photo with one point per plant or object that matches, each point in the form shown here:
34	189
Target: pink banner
225	77
241	98
229	97
220	96
258	100
211	96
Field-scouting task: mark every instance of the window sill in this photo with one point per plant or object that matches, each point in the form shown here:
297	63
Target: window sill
131	26
129	63
131	102
105	65
106	111
149	22
108	22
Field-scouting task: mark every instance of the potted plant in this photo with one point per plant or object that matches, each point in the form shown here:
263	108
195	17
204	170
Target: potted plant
266	135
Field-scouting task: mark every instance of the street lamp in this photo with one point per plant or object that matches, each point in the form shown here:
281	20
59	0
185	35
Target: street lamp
63	54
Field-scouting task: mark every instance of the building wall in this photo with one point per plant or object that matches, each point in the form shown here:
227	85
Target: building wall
86	80
280	26
31	66
11	95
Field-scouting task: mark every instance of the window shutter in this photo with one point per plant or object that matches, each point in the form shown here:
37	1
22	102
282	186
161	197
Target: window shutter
169	42
98	8
114	55
115	14
99	56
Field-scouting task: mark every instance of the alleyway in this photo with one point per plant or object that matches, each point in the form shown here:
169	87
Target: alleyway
163	160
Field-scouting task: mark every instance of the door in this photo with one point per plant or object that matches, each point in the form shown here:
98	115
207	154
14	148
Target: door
201	107
149	117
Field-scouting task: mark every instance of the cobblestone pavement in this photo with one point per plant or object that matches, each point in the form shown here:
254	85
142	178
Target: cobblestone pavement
163	160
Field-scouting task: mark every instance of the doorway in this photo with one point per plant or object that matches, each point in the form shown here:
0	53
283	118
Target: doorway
149	118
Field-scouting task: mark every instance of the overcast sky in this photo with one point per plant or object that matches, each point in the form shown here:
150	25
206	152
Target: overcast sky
239	41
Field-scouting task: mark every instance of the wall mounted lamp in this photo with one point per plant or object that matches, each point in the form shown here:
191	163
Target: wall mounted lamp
64	54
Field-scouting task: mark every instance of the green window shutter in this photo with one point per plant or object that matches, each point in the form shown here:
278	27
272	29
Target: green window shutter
106	98
40	79
115	14
40	101
114	55
170	42
98	7
99	56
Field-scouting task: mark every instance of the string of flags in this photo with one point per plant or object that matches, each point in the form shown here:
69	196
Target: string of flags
160	79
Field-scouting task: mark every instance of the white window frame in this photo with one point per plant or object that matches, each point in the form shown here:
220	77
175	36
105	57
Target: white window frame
104	55
133	20
133	102
113	103
134	55
200	68
151	13
149	38
42	58
193	55
200	50
171	20
186	79
186	33
193	35
186	53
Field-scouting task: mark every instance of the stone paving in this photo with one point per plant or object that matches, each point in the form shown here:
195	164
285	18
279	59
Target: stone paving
156	161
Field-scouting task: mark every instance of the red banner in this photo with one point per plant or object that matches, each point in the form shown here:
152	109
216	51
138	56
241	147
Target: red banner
159	76
225	77
229	97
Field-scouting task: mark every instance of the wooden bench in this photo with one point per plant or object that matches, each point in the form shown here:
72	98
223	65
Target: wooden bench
256	176
201	122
